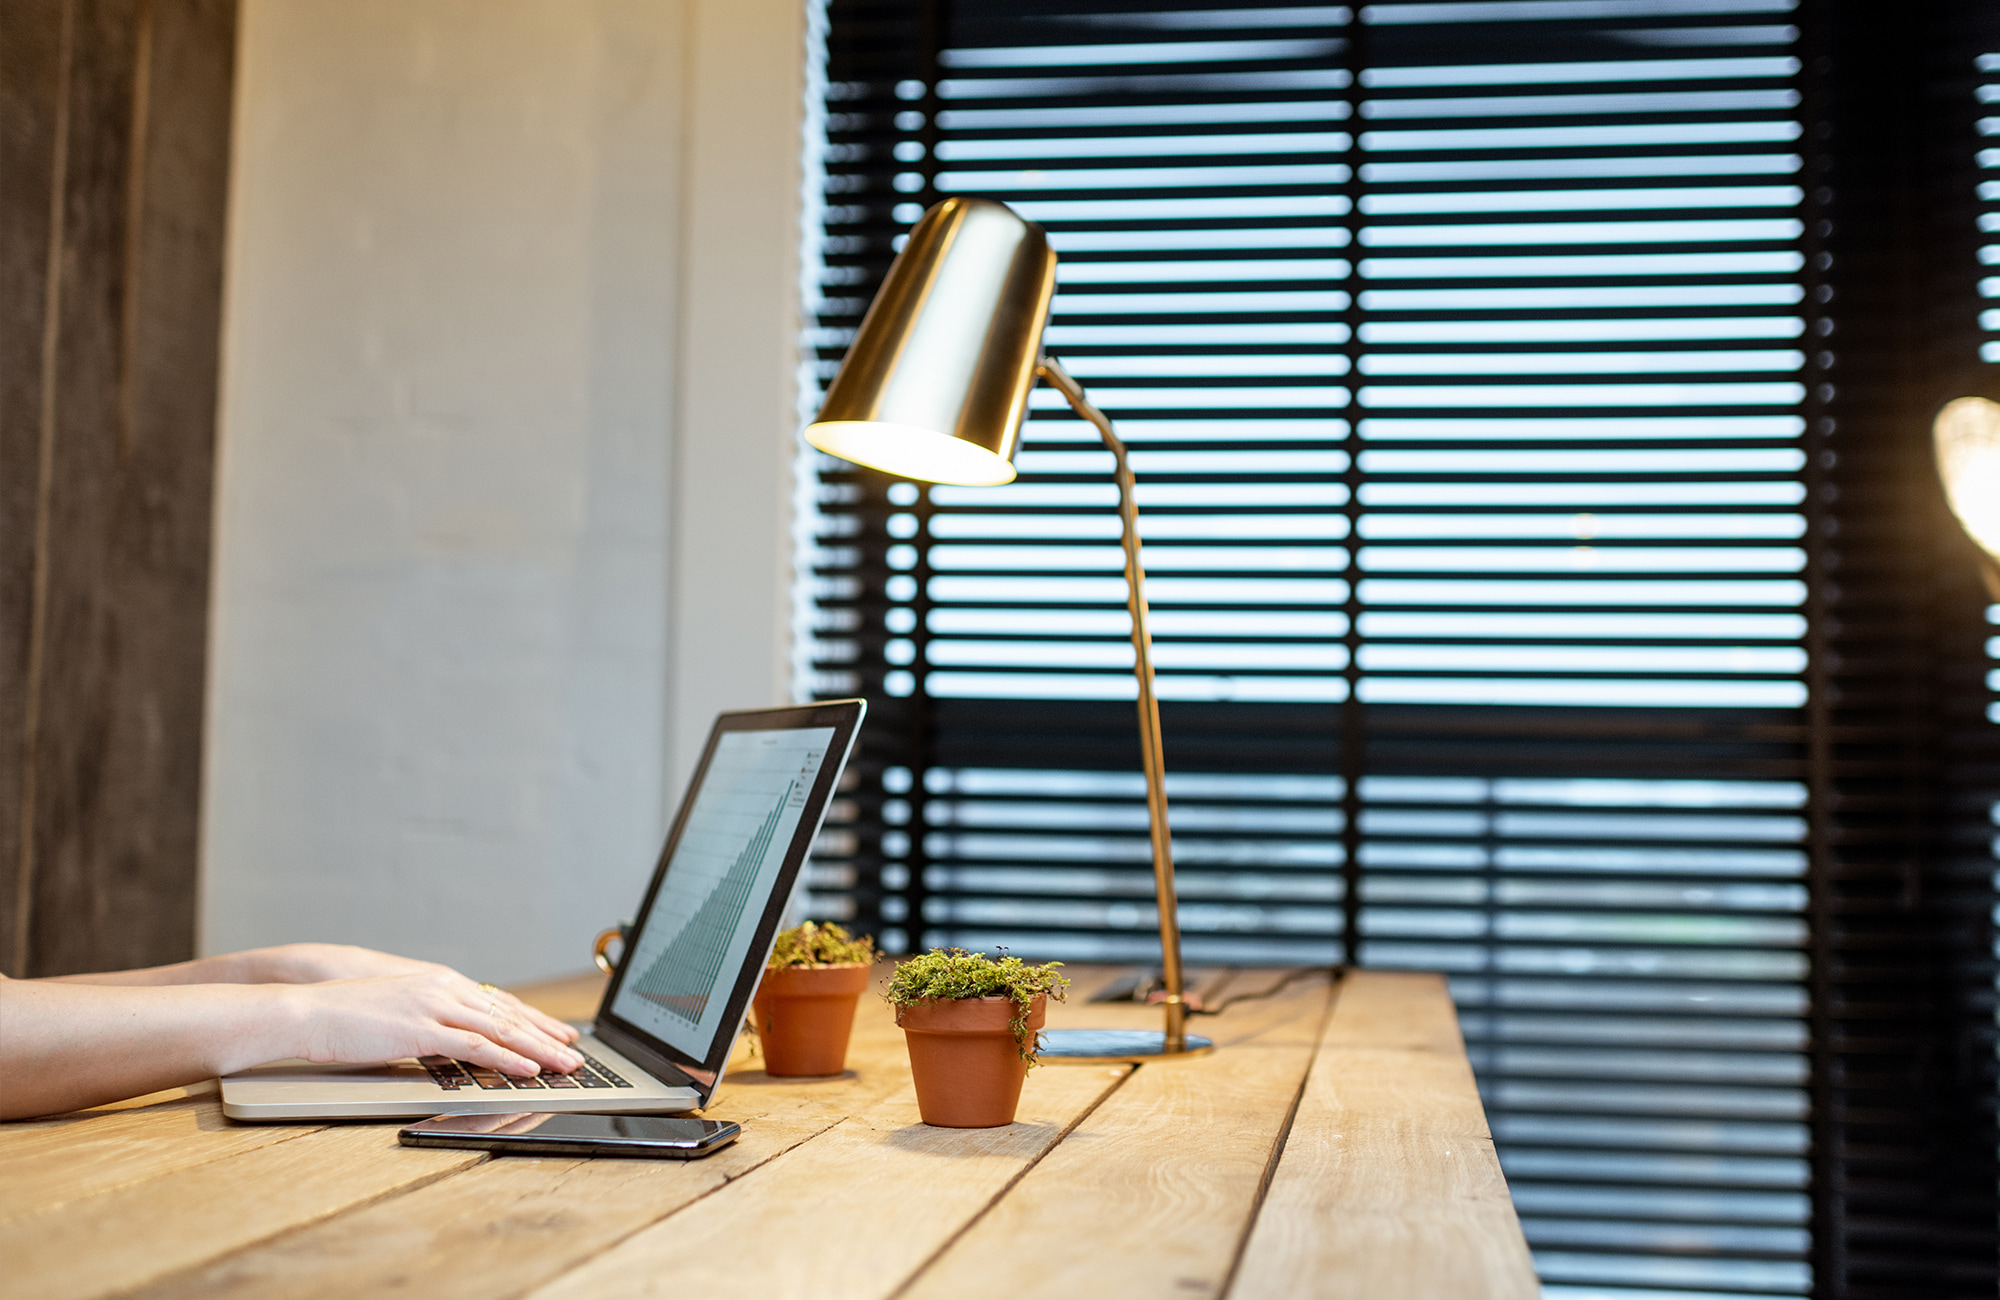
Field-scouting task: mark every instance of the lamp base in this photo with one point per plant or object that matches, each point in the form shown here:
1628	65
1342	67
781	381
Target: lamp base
1094	1046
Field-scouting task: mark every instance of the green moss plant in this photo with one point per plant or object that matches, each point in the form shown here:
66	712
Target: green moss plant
945	973
810	944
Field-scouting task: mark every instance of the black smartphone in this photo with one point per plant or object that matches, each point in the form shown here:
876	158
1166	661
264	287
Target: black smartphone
646	1137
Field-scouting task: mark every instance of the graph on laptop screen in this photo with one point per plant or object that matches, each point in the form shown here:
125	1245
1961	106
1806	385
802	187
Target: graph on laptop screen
691	944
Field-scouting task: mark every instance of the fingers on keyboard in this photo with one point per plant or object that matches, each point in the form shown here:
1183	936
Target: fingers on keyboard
453	1075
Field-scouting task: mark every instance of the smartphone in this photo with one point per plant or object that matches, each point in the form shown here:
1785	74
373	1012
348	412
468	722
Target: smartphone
645	1137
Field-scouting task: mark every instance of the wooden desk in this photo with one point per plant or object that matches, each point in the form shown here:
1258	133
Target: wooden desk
1333	1146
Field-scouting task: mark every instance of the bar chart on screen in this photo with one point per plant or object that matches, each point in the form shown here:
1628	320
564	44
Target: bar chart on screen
683	977
692	943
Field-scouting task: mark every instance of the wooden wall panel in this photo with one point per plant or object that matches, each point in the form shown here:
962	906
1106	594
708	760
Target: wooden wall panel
108	443
30	77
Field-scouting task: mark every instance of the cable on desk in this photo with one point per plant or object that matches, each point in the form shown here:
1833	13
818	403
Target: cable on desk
1277	988
1146	989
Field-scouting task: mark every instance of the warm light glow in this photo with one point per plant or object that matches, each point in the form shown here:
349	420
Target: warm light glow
911	453
1967	432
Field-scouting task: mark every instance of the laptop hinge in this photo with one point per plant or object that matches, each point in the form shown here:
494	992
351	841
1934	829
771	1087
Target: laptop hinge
654	1063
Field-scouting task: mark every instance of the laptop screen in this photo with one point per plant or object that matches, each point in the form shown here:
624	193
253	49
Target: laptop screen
706	927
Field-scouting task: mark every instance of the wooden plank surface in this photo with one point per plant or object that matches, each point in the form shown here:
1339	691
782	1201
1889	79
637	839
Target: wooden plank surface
506	1225
848	1215
494	1229
1151	1195
569	997
143	1231
44	1164
1115	1182
1388	1184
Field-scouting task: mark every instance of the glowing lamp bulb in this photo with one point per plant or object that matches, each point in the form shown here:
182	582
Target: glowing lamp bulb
1967	434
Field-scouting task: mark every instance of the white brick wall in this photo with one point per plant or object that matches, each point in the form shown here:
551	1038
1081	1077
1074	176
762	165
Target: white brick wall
506	435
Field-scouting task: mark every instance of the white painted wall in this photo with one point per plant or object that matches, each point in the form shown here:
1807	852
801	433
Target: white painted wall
507	425
738	364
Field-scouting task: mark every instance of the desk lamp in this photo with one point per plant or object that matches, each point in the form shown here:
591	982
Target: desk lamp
1966	436
935	387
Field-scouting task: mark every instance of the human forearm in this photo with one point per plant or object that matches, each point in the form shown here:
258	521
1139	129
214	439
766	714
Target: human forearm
64	1046
291	963
251	967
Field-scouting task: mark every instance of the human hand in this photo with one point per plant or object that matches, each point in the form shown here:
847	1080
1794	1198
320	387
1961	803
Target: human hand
430	1012
314	963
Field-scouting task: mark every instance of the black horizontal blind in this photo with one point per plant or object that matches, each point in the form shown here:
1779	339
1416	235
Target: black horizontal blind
1902	759
1468	354
1987	94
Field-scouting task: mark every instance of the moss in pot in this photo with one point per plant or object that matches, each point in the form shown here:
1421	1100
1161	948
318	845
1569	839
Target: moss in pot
970	1021
804	1010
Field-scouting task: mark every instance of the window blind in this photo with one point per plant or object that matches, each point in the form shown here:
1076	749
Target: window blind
1987	93
1900	760
1470	354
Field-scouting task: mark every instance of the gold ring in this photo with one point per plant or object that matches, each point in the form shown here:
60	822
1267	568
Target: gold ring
488	988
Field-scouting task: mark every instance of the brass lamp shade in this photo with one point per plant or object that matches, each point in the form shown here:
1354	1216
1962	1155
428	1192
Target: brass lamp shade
1966	434
935	385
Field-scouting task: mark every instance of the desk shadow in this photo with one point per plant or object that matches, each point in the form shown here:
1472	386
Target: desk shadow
190	1097
758	1078
71	1118
214	1121
926	1139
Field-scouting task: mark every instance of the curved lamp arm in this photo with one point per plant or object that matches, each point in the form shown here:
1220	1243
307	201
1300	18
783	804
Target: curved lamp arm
1149	706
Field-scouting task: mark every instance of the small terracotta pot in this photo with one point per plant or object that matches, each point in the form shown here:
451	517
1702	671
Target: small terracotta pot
803	1016
967	1065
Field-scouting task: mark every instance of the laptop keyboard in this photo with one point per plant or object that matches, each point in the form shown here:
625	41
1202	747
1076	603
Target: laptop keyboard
453	1075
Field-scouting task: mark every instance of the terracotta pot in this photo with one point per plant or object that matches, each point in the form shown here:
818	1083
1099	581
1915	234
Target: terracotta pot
803	1016
967	1065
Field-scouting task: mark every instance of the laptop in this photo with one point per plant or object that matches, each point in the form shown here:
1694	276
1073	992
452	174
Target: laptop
677	997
